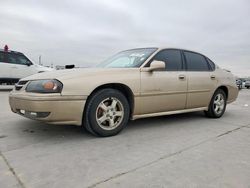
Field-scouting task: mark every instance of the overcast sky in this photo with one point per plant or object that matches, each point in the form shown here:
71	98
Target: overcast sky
86	32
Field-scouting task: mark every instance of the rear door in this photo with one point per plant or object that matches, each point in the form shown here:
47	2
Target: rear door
201	80
164	90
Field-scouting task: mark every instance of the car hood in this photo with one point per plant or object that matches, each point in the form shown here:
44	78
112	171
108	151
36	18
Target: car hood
42	68
79	72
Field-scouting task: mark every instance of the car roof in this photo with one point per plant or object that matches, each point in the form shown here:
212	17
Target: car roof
165	48
183	49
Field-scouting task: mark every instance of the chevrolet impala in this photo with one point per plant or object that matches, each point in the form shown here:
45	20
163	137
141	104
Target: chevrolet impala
137	83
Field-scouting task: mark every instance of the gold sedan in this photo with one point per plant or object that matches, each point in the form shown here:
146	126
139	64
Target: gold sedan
132	84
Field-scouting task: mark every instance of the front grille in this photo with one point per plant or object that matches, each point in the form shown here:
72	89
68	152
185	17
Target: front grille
20	85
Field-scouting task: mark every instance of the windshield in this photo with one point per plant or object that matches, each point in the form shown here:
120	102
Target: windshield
128	58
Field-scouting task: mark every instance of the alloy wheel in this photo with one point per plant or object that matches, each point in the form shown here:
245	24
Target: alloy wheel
109	113
219	103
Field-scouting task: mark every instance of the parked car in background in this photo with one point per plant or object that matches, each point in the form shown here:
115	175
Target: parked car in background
15	65
247	84
132	84
239	83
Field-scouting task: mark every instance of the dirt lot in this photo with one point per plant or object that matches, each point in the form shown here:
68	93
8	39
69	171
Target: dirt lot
186	150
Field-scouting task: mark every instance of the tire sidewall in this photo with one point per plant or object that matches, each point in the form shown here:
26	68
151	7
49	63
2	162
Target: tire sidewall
93	104
219	91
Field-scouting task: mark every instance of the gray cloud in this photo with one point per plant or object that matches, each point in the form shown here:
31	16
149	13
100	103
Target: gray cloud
86	32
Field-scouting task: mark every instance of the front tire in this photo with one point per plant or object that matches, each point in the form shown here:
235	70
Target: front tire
107	113
217	104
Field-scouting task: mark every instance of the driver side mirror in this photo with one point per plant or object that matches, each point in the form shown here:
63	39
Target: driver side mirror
157	65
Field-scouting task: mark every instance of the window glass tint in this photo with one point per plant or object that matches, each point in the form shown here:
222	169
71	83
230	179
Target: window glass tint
21	59
17	59
12	58
172	59
1	57
196	62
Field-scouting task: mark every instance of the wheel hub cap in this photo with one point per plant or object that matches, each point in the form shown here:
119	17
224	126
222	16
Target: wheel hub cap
219	103
109	113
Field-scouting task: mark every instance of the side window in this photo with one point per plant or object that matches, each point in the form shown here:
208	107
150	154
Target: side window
211	64
17	59
196	62
21	59
2	58
172	59
11	58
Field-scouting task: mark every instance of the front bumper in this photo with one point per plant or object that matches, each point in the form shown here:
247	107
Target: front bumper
49	108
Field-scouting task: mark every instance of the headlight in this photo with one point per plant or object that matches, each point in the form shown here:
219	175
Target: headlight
44	86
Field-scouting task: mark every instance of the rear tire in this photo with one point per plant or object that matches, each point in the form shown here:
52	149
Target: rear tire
106	113
217	104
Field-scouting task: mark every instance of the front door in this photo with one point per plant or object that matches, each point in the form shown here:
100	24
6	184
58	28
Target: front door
166	90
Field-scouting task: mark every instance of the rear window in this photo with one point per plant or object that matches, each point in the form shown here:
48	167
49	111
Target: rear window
196	62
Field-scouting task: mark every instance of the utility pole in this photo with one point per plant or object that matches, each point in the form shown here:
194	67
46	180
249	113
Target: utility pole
40	60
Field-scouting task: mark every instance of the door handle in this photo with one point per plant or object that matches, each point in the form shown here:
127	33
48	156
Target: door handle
212	77
182	77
